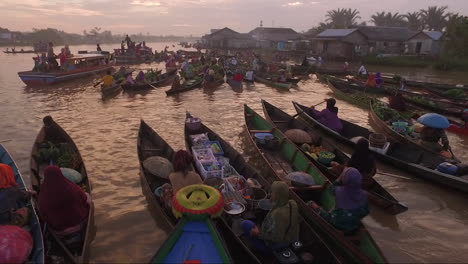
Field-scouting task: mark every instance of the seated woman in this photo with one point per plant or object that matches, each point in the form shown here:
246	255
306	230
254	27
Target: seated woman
329	116
62	204
140	77
108	79
370	83
397	102
129	79
251	235
351	202
378	80
189	71
430	137
281	225
10	196
181	176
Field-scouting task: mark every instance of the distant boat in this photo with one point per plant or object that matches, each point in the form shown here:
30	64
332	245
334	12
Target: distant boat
18	52
79	66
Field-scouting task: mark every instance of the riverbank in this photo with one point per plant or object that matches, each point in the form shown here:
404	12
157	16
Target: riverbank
442	64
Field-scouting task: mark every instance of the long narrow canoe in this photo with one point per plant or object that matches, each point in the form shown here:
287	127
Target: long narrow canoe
344	84
404	156
283	121
213	84
110	91
355	97
193	242
439	86
34	227
356	248
186	86
163	79
392	134
285	86
150	144
312	242
57	135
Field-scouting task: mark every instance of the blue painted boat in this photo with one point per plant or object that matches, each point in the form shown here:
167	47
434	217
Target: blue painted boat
37	254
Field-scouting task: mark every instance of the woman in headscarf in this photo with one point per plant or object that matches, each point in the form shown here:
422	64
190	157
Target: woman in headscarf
140	77
378	80
62	204
10	196
351	202
251	235
182	176
363	160
397	102
329	116
281	225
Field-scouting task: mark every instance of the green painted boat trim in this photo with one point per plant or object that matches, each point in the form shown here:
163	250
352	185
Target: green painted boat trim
272	83
367	251
167	246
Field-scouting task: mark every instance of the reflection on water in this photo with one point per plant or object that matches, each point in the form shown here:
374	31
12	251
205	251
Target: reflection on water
105	132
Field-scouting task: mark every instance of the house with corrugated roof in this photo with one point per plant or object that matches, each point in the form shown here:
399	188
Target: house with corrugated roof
268	37
227	38
340	43
425	43
386	40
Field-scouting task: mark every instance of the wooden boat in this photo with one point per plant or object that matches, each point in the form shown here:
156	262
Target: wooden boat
285	86
462	101
434	106
346	85
193	241
78	67
352	96
458	129
286	158
312	242
163	79
283	121
110	91
187	85
385	128
150	144
407	157
34	227
127	57
19	52
56	135
439	86
213	84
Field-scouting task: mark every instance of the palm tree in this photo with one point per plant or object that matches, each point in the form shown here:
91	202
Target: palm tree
342	17
388	19
317	29
413	20
434	18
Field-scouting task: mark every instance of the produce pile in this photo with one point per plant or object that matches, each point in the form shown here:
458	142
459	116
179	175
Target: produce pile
422	100
455	93
388	114
312	151
151	74
61	154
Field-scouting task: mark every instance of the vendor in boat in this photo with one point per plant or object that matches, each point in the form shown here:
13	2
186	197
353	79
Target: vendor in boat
403	84
329	116
67	51
305	62
182	175
108	79
362	70
176	82
140	77
51	57
370	83
281	225
63	59
129	79
251	237
122	47
378	80
189	71
397	102
249	76
63	205
10	196
430	138
98	47
351	202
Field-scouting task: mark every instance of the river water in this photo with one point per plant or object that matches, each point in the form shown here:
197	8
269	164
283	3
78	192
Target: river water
432	230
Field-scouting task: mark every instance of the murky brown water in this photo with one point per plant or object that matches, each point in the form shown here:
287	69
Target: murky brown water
433	230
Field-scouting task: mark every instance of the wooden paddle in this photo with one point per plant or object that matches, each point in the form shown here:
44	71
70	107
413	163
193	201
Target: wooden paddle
311	107
152	86
393	175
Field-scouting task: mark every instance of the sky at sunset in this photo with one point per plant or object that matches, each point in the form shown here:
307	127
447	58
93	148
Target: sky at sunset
185	17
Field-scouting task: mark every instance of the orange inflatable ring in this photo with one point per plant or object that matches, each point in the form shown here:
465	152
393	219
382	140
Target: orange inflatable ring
198	199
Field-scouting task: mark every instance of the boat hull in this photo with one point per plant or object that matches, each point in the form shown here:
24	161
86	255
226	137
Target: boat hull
38	78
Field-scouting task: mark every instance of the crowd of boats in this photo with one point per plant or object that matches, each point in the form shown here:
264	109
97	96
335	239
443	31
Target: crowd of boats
213	199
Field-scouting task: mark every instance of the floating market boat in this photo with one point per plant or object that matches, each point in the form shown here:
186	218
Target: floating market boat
283	121
78	66
352	96
33	226
18	52
161	80
358	247
149	146
187	85
110	91
213	84
238	167
54	139
439	86
131	56
407	157
195	239
281	85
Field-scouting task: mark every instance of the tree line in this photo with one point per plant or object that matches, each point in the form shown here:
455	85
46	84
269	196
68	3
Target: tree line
433	18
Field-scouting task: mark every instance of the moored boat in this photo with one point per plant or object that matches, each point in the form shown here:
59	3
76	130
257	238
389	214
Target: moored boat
308	237
162	79
358	247
53	138
403	156
77	67
283	121
352	96
187	85
33	225
110	91
18	52
280	85
212	84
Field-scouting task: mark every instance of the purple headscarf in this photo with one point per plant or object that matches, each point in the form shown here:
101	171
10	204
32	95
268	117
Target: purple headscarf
350	195
378	78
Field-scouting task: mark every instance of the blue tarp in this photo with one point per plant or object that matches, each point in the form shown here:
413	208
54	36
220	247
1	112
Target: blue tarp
195	243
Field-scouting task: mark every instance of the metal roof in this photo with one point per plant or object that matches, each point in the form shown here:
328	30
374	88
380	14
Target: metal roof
435	35
336	33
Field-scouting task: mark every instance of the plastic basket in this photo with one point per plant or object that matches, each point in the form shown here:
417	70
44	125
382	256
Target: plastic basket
204	157
215	147
228	171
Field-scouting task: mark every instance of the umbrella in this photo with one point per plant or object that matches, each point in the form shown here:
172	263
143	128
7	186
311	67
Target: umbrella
298	136
301	178
434	120
15	244
158	166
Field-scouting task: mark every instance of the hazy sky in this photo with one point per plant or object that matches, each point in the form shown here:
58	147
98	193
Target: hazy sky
197	17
